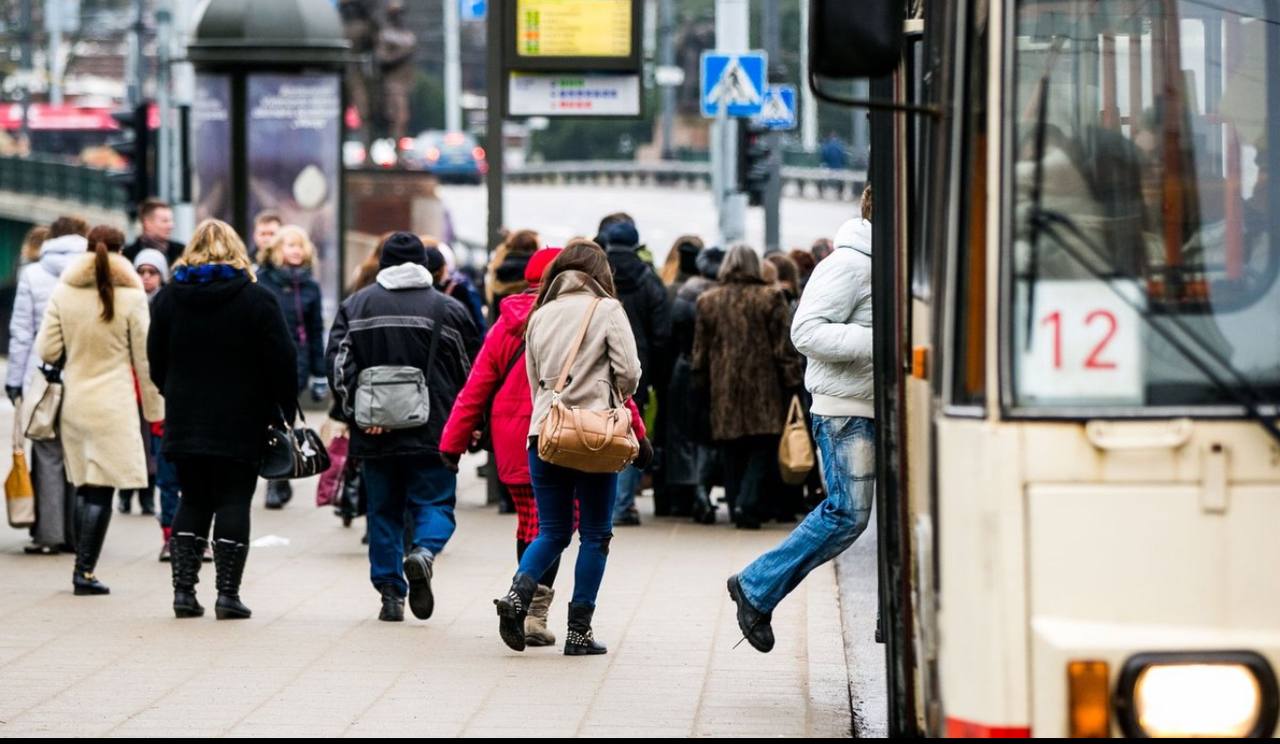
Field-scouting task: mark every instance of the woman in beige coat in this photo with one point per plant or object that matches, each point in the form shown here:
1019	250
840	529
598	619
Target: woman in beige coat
576	289
96	324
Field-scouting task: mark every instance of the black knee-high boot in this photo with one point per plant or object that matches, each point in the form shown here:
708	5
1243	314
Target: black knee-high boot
186	554
93	520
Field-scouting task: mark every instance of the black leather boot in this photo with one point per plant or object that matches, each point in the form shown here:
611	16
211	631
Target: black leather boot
147	501
418	568
228	559
756	626
278	494
392	604
92	528
186	553
581	641
513	608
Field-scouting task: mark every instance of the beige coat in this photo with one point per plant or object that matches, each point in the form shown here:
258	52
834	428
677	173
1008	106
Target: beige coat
607	365
101	433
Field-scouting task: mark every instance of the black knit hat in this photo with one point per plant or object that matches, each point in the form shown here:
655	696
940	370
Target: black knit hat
402	248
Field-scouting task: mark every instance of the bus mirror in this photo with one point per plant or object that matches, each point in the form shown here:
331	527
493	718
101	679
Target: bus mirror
855	39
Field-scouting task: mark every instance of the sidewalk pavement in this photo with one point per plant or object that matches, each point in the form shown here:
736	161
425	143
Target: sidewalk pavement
315	661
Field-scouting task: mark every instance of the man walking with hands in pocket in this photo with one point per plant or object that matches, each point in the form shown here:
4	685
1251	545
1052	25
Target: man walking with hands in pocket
832	328
398	354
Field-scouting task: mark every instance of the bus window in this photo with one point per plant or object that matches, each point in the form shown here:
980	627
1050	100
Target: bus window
1146	239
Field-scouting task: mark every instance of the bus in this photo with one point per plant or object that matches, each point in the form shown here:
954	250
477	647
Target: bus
1077	277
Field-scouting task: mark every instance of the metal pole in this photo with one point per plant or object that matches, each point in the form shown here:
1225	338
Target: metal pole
452	68
164	141
773	192
493	123
733	21
808	104
668	59
182	84
54	24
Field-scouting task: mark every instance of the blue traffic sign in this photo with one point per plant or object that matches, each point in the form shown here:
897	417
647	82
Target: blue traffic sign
473	10
779	110
733	81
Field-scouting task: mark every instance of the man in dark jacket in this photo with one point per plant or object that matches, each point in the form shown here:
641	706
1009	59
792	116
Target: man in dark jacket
156	217
649	310
402	321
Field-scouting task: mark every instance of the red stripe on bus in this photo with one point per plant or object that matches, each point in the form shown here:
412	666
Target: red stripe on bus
958	729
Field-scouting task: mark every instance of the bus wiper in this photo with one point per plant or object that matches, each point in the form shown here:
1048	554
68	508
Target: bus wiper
1243	392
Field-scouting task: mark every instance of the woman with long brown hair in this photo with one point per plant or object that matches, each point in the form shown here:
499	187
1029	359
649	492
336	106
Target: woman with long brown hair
606	366
96	327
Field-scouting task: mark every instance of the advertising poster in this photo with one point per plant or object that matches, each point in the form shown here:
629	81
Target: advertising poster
294	127
211	145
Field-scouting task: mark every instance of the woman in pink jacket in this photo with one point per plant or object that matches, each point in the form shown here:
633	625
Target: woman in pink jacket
499	386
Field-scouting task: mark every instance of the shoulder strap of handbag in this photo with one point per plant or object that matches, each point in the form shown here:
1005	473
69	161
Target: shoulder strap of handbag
511	364
577	346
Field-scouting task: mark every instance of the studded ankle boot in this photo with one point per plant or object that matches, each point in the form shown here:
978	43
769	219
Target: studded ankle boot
581	641
513	608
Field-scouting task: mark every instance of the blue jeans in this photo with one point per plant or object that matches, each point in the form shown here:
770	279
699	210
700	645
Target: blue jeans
417	488
628	484
554	488
167	482
847	446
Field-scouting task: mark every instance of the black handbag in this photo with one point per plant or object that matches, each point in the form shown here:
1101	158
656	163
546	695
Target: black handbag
292	452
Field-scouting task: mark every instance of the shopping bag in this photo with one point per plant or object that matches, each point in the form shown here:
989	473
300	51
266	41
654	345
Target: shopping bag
19	494
795	451
331	479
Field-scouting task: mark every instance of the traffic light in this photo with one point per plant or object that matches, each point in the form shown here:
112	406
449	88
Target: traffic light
133	143
753	161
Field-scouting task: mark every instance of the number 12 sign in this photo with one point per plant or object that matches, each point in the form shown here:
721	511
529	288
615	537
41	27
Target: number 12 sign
1086	346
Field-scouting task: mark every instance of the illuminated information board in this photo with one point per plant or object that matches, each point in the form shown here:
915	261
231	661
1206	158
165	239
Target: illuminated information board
573	28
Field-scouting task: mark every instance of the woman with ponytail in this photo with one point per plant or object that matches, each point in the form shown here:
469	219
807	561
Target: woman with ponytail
96	327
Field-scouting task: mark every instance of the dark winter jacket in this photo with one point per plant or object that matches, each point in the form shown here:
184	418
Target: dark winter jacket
648	310
171	249
460	288
221	356
390	322
743	344
299	297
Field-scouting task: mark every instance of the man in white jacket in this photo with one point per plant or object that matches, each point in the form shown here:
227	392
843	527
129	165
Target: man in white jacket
832	328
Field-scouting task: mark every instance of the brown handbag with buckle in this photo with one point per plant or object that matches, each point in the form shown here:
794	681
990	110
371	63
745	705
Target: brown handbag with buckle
586	440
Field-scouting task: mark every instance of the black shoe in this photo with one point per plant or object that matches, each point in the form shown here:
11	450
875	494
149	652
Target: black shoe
147	502
124	502
745	523
392	604
418	568
286	491
275	497
186	553
703	511
228	559
630	519
513	608
581	641
755	625
93	523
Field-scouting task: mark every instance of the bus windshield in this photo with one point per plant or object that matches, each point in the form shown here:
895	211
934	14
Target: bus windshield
1146	233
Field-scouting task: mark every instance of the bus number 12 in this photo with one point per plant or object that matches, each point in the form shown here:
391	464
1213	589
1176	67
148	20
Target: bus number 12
1094	361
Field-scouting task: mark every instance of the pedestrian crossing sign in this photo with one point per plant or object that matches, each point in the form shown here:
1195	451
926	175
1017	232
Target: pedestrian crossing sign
779	109
733	81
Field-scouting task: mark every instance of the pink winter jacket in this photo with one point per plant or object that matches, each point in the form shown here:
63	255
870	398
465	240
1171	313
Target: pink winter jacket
513	404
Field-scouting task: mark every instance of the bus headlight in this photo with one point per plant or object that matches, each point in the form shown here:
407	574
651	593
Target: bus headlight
1229	694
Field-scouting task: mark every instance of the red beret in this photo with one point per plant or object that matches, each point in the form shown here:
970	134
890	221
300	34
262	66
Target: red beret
538	264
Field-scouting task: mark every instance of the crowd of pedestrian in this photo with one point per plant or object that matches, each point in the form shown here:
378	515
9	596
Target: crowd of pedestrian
591	375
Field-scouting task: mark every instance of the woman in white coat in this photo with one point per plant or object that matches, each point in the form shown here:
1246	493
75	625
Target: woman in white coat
97	320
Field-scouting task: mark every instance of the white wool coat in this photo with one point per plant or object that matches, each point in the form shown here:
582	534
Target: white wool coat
101	432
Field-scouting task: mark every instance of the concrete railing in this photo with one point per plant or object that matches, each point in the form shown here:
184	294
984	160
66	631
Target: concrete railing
817	183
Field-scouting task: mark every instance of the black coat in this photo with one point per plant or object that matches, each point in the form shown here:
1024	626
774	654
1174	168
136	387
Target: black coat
644	298
222	358
300	301
683	457
172	251
380	326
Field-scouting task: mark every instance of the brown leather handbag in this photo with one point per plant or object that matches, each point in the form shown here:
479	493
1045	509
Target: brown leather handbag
586	440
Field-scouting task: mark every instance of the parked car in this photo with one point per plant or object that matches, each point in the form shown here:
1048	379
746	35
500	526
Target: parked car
453	157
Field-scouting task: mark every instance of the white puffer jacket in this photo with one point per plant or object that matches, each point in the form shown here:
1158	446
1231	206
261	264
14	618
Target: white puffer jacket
832	327
36	282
